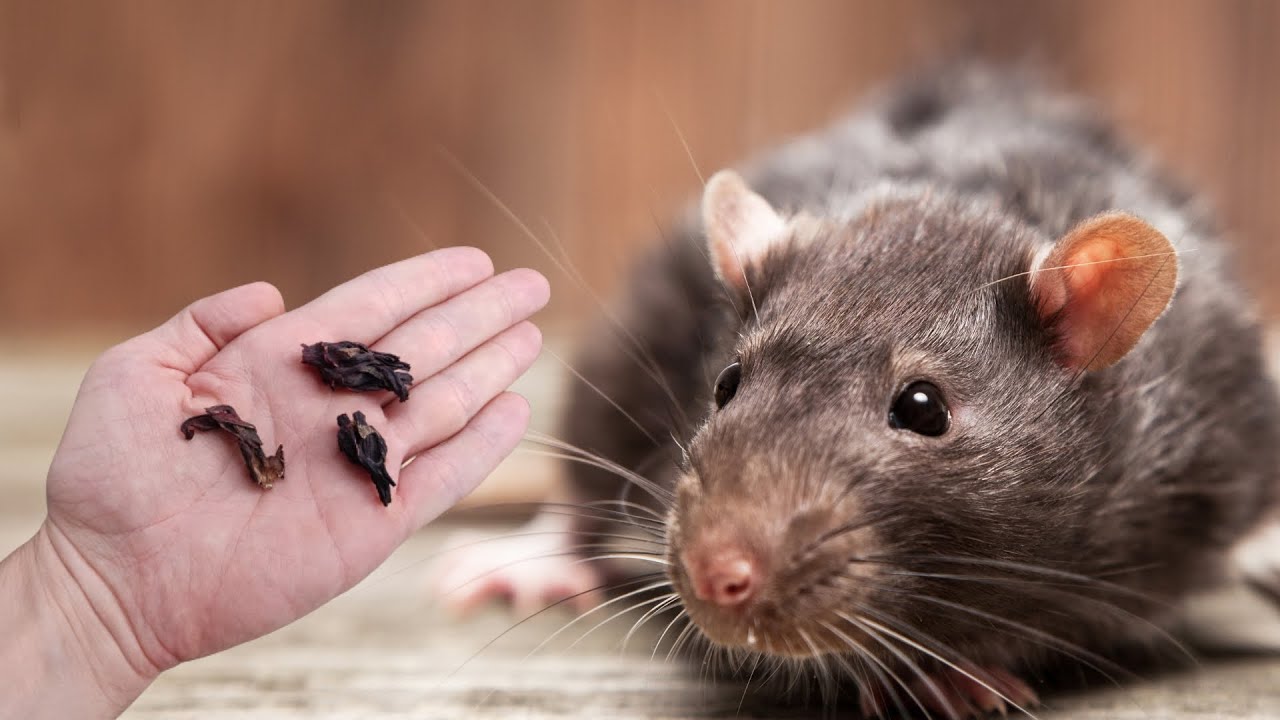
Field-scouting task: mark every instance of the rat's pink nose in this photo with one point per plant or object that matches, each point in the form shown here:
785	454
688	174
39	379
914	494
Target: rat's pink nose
727	578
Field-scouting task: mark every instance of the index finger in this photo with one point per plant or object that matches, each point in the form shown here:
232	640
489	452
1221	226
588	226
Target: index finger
373	304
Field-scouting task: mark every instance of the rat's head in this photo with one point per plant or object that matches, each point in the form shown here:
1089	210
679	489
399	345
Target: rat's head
909	401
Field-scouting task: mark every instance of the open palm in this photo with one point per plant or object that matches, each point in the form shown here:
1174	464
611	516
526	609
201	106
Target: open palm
178	550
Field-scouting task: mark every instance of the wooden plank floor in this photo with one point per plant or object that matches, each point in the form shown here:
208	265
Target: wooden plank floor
384	650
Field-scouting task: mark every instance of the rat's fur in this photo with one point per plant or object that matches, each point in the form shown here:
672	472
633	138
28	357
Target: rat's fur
1141	476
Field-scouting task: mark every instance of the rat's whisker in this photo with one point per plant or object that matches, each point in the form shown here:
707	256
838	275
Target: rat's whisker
834	534
565	550
778	666
990	580
822	673
638	352
746	283
680	640
666	110
539	533
553	441
1020	567
671	600
708	656
632	593
656	558
882	671
746	686
498	203
1017	630
553	635
532	236
656	491
656	530
902	657
636	606
682	615
937	656
527	618
409	220
657	516
573	551
1084	264
1123	319
1076	652
1075	378
603	395
593	510
576	454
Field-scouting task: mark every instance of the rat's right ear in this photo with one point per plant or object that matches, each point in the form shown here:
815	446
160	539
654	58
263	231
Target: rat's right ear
740	225
1101	286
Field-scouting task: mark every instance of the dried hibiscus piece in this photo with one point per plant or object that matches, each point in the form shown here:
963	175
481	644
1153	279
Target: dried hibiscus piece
356	367
266	471
365	447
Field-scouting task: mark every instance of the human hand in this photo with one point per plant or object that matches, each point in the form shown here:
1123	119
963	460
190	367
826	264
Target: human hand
169	547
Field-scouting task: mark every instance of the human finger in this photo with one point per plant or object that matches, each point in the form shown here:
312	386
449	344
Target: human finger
446	401
441	476
371	305
437	337
191	338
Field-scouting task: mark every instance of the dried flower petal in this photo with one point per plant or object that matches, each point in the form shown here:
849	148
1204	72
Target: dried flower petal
265	470
354	366
365	447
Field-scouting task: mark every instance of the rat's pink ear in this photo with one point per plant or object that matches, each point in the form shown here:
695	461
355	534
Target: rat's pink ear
1102	286
740	227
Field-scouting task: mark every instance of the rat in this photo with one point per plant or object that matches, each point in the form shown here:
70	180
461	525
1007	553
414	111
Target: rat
926	400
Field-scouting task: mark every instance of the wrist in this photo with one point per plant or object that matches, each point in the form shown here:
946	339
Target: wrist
66	650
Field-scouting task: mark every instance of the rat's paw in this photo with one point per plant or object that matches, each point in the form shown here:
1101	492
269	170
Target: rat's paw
956	695
527	570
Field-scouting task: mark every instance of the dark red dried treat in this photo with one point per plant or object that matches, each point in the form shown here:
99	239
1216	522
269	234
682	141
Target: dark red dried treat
355	367
365	447
265	470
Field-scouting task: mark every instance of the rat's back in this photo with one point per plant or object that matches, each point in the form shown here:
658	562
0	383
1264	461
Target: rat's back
993	138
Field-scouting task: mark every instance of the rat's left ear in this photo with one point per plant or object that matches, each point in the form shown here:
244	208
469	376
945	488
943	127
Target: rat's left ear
740	225
1102	286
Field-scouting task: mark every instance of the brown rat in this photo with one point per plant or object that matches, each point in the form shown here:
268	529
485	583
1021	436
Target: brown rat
954	387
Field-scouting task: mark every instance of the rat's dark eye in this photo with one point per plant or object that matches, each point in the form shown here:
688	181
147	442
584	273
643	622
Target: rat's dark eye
727	384
921	409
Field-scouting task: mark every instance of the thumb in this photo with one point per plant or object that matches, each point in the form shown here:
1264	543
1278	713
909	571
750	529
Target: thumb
192	337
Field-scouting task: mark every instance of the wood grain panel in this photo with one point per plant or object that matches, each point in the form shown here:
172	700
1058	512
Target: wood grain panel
152	152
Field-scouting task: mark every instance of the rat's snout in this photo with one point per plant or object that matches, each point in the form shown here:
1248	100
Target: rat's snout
725	576
759	571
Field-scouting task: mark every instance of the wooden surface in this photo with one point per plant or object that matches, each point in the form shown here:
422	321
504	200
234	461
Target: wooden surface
153	152
384	650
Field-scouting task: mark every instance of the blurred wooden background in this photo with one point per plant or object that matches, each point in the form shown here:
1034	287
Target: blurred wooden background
154	152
